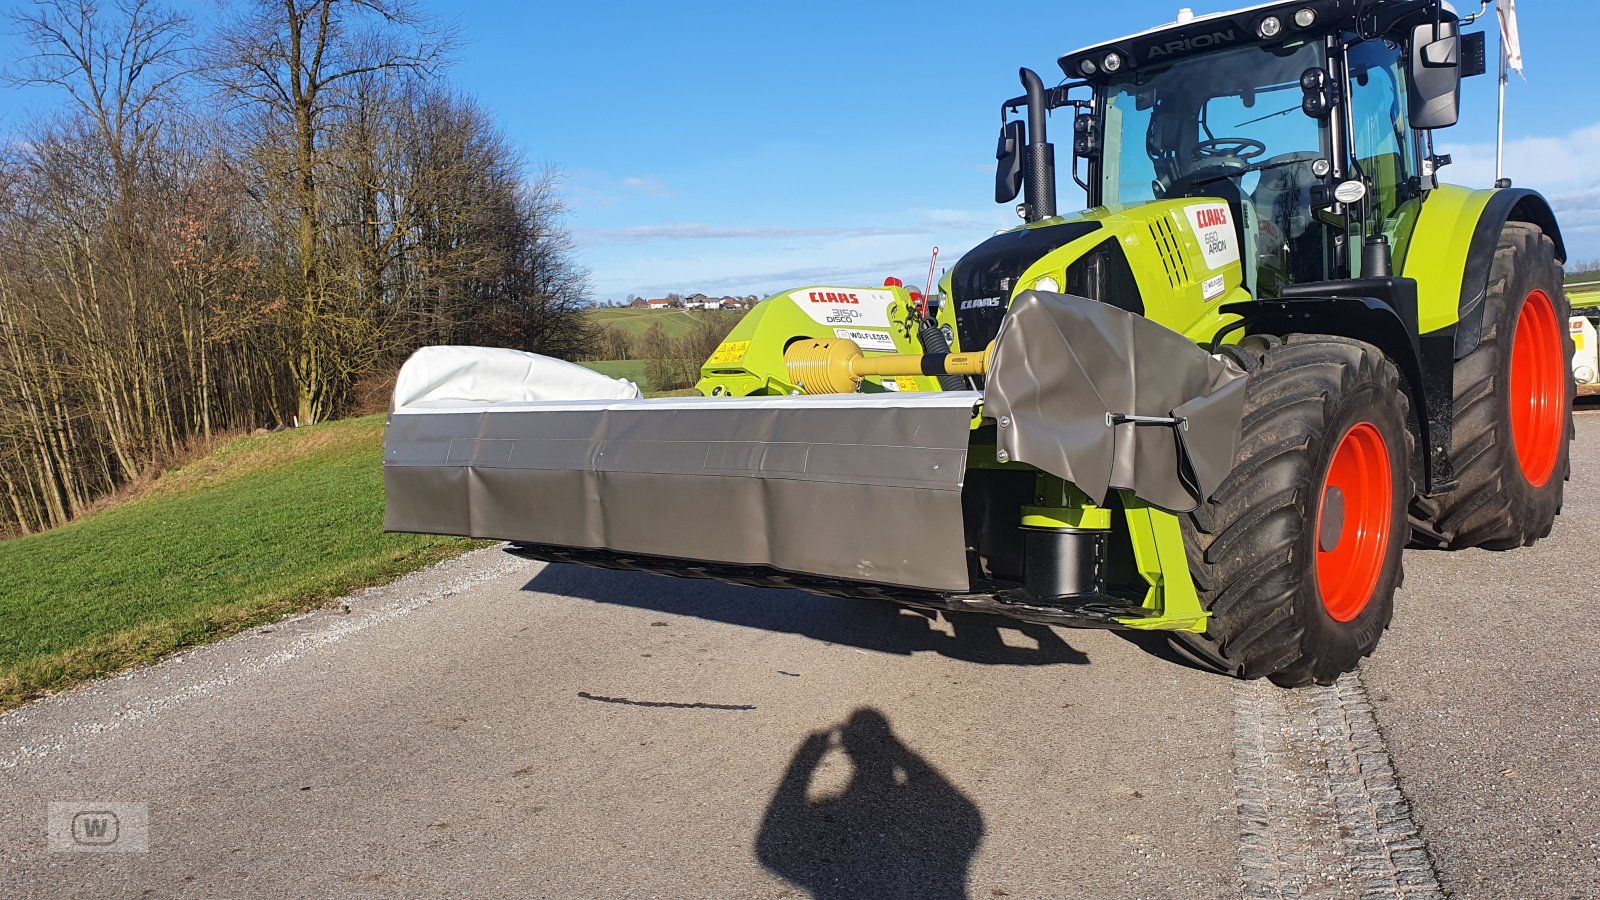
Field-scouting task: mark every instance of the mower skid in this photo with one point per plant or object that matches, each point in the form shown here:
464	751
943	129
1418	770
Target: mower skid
865	488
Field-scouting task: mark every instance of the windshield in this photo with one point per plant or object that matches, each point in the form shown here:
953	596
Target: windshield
1234	115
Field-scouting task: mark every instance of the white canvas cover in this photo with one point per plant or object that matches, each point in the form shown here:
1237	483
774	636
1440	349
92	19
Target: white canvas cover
443	377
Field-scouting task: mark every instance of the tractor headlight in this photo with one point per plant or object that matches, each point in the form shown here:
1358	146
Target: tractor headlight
1112	62
1269	27
1047	284
1088	67
1305	18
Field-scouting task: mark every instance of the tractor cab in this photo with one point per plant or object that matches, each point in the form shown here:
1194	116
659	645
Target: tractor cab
1310	120
1228	126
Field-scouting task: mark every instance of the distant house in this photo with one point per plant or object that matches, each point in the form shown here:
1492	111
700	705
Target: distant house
731	303
639	303
658	303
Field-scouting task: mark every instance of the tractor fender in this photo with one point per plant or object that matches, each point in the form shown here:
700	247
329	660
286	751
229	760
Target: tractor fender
1506	205
1377	322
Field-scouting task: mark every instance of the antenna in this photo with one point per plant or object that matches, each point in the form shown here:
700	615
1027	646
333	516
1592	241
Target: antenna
1510	58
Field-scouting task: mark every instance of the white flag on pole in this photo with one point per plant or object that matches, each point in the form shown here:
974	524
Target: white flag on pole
1510	43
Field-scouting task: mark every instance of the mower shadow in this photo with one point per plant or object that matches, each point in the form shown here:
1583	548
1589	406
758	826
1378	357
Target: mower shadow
875	625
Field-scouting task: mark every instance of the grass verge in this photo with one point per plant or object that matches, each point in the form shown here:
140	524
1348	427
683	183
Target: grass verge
265	526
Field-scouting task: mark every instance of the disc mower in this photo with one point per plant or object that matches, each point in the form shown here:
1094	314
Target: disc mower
1273	352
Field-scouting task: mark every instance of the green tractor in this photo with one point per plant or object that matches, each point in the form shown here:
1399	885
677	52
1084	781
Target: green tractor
1273	352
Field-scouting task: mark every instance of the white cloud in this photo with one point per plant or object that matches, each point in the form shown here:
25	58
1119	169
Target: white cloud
761	258
763	266
690	232
1559	167
650	186
1555	165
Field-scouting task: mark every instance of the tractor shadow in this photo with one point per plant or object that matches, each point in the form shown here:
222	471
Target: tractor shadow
876	625
898	828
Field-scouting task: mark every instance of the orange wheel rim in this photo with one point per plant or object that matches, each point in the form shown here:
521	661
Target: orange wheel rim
1538	389
1354	519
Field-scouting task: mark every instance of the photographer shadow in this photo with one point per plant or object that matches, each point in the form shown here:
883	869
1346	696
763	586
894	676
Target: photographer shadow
898	829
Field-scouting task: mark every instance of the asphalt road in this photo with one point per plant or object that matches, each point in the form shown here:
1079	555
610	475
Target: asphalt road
495	727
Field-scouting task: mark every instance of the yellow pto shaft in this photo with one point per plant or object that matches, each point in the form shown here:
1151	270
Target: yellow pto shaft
837	366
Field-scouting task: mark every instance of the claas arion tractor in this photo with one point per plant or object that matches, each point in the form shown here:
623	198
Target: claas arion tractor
1273	352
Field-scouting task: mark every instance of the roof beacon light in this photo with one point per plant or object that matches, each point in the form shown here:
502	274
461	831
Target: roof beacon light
1269	27
1305	18
1185	15
1112	62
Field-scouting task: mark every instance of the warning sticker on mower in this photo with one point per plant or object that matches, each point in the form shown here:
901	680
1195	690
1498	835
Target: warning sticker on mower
848	307
900	383
729	352
867	340
1213	228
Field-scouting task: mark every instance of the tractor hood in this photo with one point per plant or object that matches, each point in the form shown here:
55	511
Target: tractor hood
983	281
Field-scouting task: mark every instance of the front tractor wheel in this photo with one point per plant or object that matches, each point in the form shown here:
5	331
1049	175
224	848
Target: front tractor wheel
1297	554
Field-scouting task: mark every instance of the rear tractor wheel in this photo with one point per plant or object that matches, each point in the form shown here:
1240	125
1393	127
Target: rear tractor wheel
1297	554
1513	403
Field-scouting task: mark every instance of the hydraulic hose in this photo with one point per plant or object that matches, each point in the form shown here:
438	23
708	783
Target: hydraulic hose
933	340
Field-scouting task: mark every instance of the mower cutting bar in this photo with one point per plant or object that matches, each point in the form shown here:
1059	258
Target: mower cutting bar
866	488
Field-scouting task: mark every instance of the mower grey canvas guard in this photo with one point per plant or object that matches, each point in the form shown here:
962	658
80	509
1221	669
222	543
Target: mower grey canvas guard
865	488
1064	368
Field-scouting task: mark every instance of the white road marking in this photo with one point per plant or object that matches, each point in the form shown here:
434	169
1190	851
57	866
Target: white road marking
405	596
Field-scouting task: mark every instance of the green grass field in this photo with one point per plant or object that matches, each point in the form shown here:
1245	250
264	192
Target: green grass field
631	369
1583	288
674	322
265	526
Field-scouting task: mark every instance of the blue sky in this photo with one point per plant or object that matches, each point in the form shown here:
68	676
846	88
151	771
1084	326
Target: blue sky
745	147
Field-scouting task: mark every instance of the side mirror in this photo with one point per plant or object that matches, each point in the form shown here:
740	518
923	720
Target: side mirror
1008	165
1433	75
1316	99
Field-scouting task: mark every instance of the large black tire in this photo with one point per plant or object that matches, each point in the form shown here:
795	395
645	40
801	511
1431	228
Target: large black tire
1254	546
1496	503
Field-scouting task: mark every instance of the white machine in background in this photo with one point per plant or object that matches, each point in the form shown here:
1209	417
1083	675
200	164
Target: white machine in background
1585	364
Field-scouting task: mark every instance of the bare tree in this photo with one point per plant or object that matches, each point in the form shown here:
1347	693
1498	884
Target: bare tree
119	68
289	64
170	270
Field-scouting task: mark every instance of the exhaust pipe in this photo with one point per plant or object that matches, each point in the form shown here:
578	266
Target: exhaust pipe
1039	173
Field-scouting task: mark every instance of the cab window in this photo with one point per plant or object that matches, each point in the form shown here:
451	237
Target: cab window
1383	146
